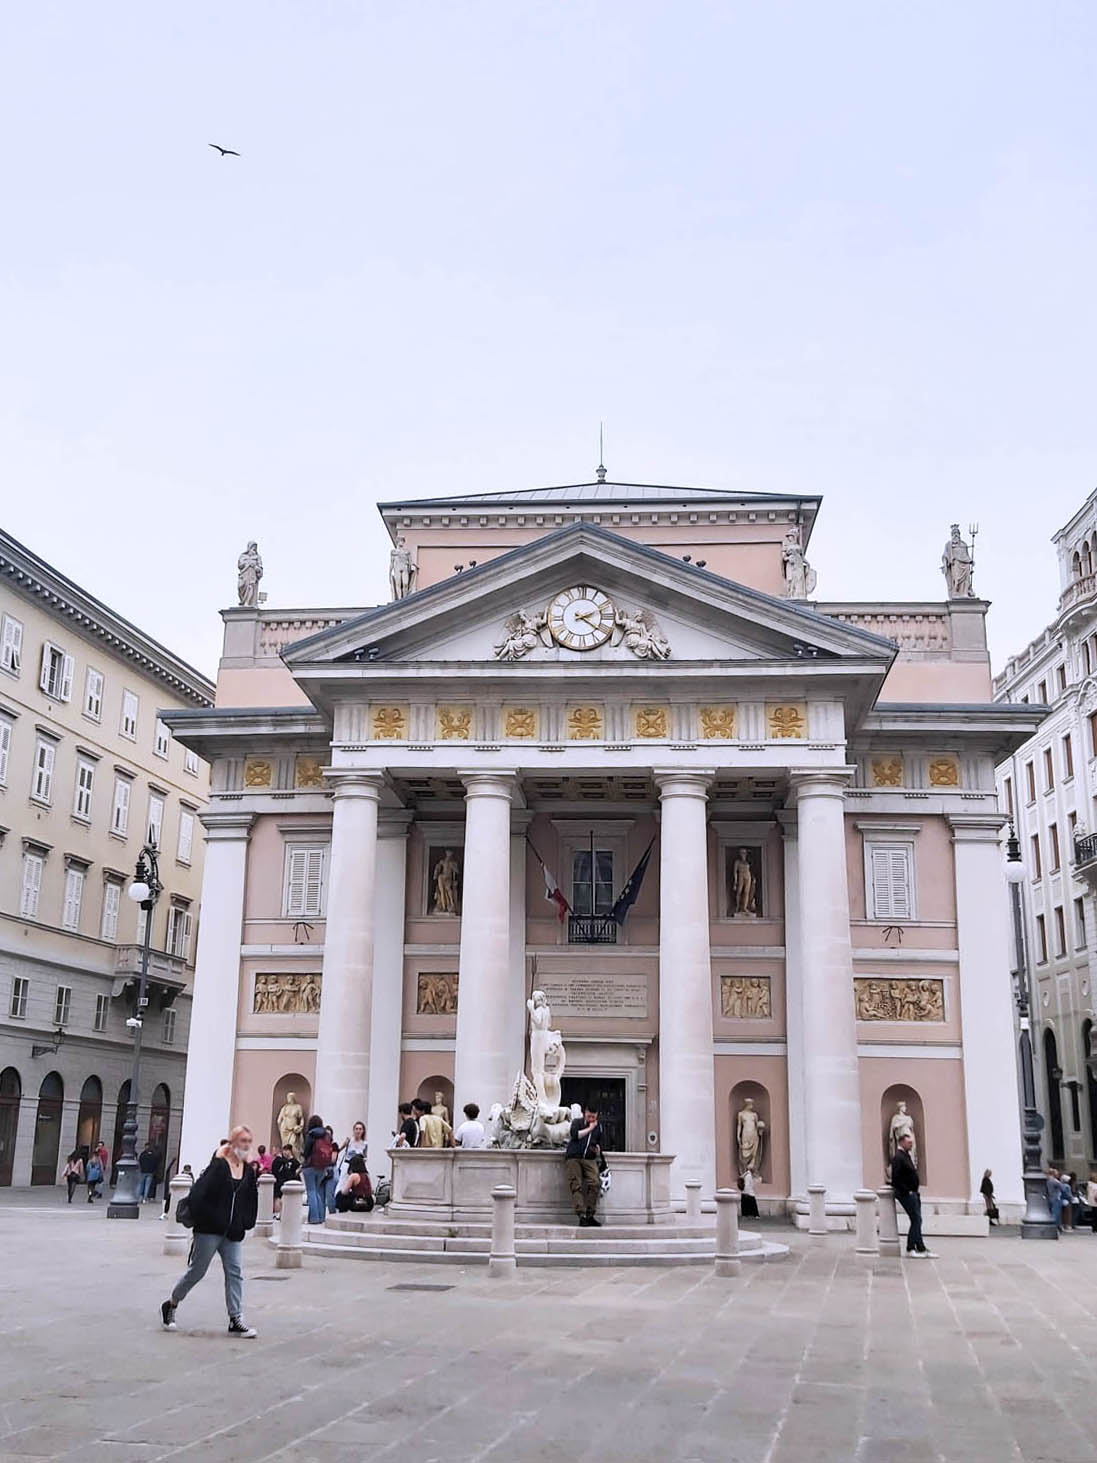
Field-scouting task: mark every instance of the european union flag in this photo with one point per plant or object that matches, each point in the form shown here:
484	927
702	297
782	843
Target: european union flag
629	894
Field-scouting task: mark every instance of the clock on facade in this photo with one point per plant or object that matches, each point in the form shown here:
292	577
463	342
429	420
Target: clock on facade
580	618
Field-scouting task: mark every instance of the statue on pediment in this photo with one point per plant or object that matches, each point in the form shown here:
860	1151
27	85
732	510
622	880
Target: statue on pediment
521	634
640	633
799	575
958	566
249	571
401	570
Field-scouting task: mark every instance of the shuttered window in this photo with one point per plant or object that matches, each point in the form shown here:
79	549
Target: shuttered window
155	820
32	885
892	895
55	677
304	895
74	898
179	931
112	899
93	694
120	813
186	836
11	654
42	787
85	782
5	749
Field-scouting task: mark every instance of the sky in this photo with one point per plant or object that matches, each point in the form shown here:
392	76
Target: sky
839	248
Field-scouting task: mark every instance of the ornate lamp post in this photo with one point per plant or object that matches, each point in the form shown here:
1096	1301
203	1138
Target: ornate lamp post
1037	1223
145	891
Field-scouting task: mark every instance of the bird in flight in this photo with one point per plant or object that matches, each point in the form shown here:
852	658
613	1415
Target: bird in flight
224	151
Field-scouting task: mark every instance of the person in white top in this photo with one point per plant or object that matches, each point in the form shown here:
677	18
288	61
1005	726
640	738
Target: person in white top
471	1132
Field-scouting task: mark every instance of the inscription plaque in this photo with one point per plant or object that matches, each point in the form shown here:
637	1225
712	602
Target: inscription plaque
595	995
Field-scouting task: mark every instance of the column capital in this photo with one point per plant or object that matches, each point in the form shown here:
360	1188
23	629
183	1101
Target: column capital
226	827
683	782
976	827
354	782
819	782
488	784
394	822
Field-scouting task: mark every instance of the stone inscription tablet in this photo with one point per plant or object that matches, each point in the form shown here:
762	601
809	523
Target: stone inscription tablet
595	995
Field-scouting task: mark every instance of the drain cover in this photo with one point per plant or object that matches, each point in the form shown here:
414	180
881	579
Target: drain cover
409	1285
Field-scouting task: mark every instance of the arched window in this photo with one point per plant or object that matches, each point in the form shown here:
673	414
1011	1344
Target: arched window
47	1130
1053	1076
11	1090
1087	558
1076	565
90	1114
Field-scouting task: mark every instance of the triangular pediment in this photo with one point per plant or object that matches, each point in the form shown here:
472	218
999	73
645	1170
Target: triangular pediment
647	607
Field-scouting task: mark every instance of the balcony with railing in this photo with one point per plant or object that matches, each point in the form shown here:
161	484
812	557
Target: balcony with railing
1077	591
592	929
1085	857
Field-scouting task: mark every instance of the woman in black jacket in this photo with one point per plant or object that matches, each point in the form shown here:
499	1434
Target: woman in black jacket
223	1203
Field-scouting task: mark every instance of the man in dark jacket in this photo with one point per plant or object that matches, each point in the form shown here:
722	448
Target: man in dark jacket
904	1181
148	1161
223	1203
581	1167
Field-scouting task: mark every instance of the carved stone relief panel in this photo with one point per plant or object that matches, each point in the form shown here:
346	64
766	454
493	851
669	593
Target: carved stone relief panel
308	772
520	722
717	722
454	723
585	723
436	993
788	722
944	772
745	997
287	995
887	771
389	723
878	998
651	721
258	772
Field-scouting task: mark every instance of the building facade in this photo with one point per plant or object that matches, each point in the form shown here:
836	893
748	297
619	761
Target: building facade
88	772
567	683
1049	787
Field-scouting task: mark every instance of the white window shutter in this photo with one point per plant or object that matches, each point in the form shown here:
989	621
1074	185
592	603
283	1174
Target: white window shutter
295	881
185	941
74	882
892	895
67	665
314	880
32	884
5	749
13	643
44	673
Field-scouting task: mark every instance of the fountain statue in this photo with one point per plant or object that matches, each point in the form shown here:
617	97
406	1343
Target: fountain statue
535	1117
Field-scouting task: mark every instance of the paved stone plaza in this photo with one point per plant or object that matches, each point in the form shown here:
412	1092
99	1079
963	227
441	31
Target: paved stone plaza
988	1353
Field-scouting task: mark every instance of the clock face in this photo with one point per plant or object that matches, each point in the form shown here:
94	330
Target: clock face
581	618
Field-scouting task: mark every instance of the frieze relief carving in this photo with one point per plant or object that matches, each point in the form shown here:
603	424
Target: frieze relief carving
520	722
454	723
287	995
258	772
887	771
944	772
637	630
584	724
652	721
718	722
308	772
745	997
787	722
879	999
436	994
389	723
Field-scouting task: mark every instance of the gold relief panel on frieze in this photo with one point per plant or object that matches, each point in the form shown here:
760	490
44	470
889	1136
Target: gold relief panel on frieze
787	722
880	999
287	995
585	723
944	772
258	772
308	772
745	997
436	993
453	723
519	723
651	721
388	723
717	723
887	771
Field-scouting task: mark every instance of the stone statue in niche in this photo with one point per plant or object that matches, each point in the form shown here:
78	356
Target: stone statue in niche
901	1125
958	566
291	1123
249	571
744	882
401	570
446	885
799	575
440	1110
436	994
750	1135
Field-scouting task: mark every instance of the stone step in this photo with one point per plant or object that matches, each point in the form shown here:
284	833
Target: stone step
765	1253
462	1245
373	1224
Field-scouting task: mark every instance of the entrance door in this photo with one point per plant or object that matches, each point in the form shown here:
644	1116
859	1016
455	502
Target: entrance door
605	1096
47	1130
11	1090
90	1115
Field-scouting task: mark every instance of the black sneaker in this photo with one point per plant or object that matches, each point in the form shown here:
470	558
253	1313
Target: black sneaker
239	1327
167	1315
584	1221
594	1223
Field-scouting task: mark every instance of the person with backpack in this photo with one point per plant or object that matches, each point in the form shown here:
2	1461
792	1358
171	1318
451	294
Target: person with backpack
318	1168
285	1169
95	1173
355	1194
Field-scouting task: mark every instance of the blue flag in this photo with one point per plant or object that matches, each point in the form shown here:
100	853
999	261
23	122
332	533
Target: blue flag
629	894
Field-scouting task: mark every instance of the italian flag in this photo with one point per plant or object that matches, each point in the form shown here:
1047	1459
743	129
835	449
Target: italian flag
554	894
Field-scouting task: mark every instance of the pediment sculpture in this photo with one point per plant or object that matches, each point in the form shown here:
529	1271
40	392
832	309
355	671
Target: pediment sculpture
582	619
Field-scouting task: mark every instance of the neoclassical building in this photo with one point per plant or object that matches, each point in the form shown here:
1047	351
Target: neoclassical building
423	810
1048	786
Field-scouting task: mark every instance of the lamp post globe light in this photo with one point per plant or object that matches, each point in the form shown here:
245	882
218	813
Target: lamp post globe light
1037	1222
145	891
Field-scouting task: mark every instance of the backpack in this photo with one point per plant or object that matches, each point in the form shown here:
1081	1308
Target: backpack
95	1171
323	1153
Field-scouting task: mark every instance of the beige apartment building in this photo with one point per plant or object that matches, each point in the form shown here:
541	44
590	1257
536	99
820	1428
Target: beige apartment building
88	773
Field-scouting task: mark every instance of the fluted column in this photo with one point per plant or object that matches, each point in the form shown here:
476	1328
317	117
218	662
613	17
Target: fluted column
211	1055
687	1088
341	1092
832	1100
482	1061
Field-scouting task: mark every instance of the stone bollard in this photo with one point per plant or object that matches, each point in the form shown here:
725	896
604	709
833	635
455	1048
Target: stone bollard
727	1259
865	1199
888	1243
502	1262
177	1239
693	1199
264	1223
817	1209
290	1231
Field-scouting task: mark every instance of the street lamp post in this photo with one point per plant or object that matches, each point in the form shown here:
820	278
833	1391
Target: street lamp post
1037	1222
145	891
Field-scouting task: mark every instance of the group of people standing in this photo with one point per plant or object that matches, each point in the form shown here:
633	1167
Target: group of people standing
89	1166
1072	1204
421	1125
335	1174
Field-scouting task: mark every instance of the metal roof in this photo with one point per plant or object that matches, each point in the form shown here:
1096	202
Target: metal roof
599	492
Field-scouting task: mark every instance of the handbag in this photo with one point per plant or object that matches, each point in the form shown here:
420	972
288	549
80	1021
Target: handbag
605	1178
183	1214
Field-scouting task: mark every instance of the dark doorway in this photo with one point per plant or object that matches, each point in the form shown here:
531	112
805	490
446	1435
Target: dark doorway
1089	1054
159	1118
606	1095
1053	1076
90	1115
47	1130
119	1124
11	1090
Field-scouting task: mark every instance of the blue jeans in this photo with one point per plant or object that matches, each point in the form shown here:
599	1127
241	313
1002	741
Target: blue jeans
146	1186
318	1186
202	1250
